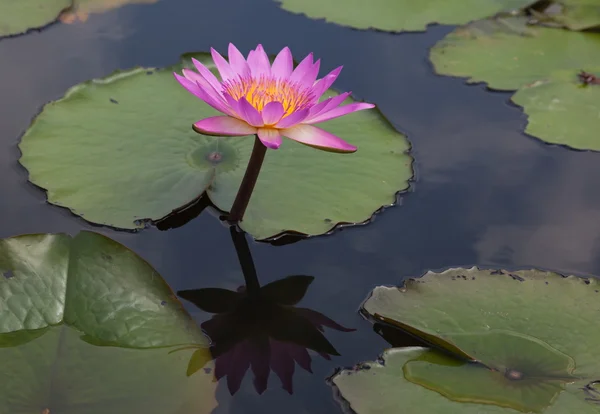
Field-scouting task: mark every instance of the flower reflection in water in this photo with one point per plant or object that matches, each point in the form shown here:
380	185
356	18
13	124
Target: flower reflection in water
260	328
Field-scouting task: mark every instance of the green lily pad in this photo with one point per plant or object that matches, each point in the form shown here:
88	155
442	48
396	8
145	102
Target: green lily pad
92	284
562	110
529	336
542	305
58	372
17	17
508	54
82	9
516	371
121	151
574	14
400	15
382	388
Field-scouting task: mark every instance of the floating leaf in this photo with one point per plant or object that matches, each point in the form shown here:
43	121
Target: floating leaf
400	15
516	371
542	305
82	9
574	14
121	151
87	326
563	109
18	16
60	373
531	333
381	387
91	283
507	54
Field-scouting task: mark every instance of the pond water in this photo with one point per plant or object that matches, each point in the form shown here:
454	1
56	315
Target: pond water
484	193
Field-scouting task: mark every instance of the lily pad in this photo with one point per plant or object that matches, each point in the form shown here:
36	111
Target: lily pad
82	9
515	371
17	17
512	328
381	387
92	284
508	54
529	336
58	372
121	152
563	110
400	15
542	305
574	14
86	325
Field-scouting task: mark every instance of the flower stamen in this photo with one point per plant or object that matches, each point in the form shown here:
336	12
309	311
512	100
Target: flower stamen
265	89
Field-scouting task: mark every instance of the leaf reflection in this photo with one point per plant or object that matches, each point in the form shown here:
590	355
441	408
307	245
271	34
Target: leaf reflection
260	328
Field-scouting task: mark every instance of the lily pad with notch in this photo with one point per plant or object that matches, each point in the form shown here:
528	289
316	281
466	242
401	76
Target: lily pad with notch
381	387
553	69
401	15
524	338
121	152
563	109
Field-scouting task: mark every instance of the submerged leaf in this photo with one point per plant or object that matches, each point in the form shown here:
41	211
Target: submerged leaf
121	152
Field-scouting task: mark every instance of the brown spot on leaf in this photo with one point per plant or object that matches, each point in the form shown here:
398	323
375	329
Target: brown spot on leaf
588	78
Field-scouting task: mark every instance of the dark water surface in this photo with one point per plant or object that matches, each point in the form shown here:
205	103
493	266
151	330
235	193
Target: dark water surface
484	193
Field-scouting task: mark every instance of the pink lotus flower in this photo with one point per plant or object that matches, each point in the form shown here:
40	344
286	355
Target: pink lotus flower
269	101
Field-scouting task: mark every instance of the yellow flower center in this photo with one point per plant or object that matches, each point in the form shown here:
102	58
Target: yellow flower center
260	91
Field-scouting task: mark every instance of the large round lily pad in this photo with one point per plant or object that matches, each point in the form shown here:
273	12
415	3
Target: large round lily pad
82	9
60	373
400	15
381	388
121	150
508	54
526	338
19	16
92	284
563	110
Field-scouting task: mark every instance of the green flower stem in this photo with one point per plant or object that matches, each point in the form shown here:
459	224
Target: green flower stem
245	258
248	182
